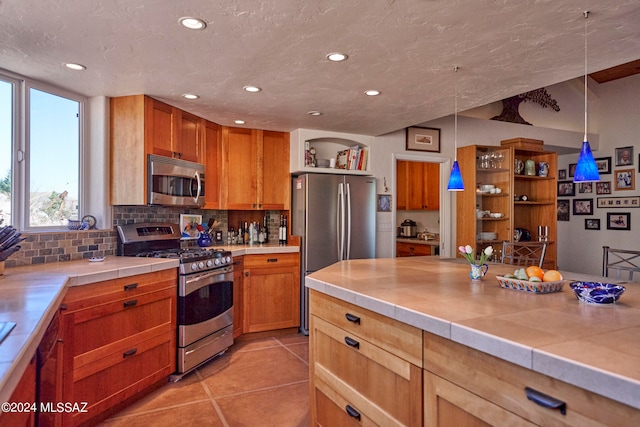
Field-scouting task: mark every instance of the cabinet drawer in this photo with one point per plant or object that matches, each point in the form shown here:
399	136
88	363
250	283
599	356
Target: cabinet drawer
81	297
334	410
118	377
115	326
271	260
385	387
398	338
503	384
412	249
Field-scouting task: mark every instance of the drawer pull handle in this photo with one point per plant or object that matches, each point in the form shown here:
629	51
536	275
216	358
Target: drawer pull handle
352	412
352	343
351	318
272	259
130	303
129	352
545	400
130	286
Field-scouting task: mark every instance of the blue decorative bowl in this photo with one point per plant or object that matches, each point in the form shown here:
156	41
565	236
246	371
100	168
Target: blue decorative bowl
596	292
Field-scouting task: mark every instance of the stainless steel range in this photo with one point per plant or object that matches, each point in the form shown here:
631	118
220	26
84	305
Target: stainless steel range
205	289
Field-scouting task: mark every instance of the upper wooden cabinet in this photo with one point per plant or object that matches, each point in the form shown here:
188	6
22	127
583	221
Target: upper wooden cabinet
255	173
141	125
213	165
418	185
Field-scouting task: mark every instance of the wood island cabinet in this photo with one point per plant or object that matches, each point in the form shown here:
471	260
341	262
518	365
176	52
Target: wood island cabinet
271	292
479	166
139	126
119	341
365	369
404	249
255	169
24	394
238	297
418	185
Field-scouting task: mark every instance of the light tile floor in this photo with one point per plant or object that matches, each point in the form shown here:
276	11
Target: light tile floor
259	381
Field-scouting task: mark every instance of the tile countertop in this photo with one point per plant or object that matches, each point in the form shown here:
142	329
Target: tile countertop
594	347
30	296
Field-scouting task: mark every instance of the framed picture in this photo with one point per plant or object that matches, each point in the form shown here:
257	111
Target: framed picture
583	206
189	226
423	139
603	187
563	210
619	202
572	169
566	188
585	187
384	203
618	221
592	224
604	165
624	156
562	174
625	179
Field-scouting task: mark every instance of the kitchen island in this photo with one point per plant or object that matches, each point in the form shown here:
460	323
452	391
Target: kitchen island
478	333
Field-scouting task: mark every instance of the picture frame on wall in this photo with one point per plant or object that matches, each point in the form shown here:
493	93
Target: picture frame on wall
566	188
384	203
572	169
189	226
603	187
562	174
563	210
604	165
625	179
585	187
592	224
619	202
423	139
624	156
618	221
583	206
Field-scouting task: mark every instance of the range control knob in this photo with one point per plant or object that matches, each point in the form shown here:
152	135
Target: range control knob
216	261
223	261
201	264
209	263
194	266
228	259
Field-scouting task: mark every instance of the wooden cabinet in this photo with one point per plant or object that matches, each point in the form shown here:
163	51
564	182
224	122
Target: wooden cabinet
404	249
271	292
363	366
21	411
238	296
418	185
139	126
255	169
213	166
466	387
479	166
120	339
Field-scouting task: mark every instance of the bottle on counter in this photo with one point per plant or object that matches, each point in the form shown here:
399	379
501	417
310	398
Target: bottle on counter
246	233
265	228
285	231
280	229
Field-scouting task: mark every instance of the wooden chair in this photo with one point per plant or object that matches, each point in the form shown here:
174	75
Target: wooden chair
620	259
524	253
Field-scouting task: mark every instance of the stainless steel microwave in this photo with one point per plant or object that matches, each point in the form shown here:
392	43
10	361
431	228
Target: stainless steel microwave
175	182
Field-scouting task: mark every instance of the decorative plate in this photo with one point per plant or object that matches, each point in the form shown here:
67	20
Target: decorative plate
96	259
89	219
532	287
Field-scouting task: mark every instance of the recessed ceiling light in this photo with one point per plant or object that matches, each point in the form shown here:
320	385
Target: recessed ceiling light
190	96
252	89
239	122
372	92
314	113
192	23
337	57
77	67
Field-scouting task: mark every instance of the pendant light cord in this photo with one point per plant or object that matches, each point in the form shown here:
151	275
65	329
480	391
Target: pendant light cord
586	15
455	117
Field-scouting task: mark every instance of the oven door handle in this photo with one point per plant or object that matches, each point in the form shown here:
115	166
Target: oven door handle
195	283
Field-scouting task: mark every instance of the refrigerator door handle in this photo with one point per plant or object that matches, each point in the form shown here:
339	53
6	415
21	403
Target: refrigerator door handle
340	222
348	248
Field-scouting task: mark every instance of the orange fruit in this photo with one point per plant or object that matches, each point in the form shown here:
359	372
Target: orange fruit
535	271
552	276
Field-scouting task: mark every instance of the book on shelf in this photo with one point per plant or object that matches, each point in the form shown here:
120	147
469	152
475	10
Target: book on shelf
354	158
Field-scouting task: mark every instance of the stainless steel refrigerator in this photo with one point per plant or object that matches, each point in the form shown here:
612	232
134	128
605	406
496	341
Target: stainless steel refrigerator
335	215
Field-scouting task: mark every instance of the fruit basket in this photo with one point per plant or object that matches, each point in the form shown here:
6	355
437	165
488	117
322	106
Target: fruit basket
529	286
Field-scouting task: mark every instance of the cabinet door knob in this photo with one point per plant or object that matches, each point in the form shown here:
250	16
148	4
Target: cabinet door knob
545	400
352	412
351	318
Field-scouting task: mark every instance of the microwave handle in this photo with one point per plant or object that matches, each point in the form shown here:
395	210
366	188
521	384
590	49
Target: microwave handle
195	199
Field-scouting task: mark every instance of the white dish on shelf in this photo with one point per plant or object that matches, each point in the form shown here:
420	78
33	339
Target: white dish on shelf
96	259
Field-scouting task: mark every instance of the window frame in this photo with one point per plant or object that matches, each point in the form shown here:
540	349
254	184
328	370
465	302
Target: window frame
20	161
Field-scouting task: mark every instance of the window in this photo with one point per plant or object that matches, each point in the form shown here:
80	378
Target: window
40	155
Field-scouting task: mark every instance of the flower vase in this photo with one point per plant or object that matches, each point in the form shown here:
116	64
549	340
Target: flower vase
478	271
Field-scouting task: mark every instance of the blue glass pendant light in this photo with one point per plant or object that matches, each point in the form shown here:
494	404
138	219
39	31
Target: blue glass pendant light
586	168
455	179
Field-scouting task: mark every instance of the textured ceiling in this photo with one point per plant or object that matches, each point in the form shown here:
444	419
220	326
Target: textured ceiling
407	49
